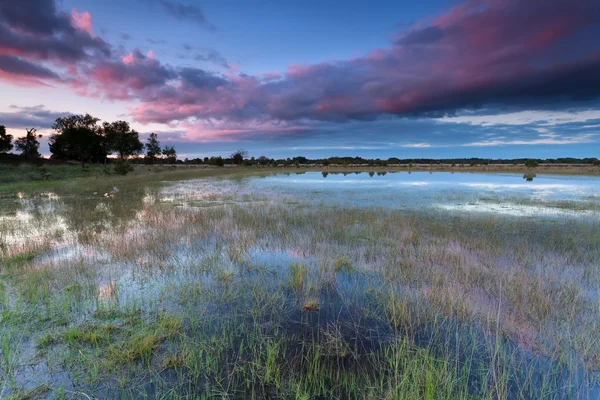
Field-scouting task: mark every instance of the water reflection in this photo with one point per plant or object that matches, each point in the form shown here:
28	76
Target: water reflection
88	216
58	220
458	192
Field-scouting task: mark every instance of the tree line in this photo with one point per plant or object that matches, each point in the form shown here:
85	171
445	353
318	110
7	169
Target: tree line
240	157
82	138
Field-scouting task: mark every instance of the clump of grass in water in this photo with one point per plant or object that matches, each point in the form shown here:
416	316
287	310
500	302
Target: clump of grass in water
224	276
140	346
341	264
310	305
297	277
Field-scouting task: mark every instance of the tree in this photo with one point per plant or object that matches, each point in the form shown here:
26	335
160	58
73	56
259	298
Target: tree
531	163
153	147
29	144
171	154
238	156
77	137
218	161
121	139
262	160
5	140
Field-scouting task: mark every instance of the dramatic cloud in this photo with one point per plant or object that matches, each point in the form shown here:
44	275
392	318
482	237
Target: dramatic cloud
134	75
525	54
484	52
38	41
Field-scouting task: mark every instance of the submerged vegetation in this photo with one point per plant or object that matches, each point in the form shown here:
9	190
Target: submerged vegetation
161	292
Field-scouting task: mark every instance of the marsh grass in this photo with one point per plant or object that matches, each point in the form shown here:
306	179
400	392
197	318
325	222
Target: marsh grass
239	297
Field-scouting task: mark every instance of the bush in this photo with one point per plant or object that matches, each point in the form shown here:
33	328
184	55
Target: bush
123	168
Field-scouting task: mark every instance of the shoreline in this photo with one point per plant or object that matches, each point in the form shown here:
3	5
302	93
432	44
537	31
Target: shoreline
23	180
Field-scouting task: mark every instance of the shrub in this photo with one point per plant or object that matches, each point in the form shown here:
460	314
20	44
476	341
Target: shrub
123	168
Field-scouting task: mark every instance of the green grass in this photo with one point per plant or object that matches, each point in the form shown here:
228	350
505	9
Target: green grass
19	260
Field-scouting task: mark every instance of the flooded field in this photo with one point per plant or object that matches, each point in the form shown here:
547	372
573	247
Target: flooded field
304	285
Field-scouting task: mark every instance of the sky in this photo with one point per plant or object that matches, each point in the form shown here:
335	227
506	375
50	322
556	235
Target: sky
377	79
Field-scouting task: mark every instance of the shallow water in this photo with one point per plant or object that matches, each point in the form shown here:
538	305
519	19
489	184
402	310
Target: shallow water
509	194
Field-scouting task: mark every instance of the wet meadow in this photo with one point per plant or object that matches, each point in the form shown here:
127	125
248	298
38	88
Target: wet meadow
311	285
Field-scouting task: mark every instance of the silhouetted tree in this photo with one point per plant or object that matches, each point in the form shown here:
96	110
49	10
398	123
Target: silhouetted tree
238	156
123	140
153	147
29	144
262	160
170	153
77	137
5	140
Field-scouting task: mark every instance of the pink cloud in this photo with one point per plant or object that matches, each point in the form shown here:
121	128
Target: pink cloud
128	59
23	81
82	21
